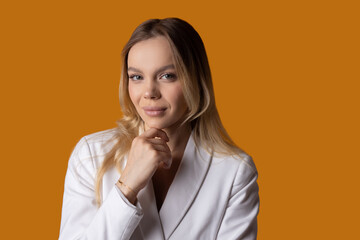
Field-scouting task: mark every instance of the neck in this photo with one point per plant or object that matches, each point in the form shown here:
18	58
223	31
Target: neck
178	138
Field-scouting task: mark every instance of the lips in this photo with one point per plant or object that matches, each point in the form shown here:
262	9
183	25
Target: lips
154	111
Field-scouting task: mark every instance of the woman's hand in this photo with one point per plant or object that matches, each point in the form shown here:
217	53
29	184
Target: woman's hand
148	152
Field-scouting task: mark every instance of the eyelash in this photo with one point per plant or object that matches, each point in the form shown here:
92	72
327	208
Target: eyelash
132	77
171	76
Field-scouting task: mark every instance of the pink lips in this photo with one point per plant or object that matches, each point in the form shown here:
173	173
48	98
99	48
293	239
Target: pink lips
154	111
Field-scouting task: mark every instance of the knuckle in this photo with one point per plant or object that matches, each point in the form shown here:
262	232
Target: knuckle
152	153
139	141
135	140
148	147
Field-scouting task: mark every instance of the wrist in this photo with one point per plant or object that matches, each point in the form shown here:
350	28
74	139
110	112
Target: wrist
128	192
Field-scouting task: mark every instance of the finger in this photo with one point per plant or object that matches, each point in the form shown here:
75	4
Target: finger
163	165
156	141
162	148
153	133
166	163
159	142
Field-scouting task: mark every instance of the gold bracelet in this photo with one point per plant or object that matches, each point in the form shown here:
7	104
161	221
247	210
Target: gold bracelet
126	186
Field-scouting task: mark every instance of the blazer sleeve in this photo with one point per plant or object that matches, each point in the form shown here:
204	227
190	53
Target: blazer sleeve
240	217
81	218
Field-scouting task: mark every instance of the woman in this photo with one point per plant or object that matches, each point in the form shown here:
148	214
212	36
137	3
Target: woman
169	170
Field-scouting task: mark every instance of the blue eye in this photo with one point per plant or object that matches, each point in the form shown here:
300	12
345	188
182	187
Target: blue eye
168	76
135	77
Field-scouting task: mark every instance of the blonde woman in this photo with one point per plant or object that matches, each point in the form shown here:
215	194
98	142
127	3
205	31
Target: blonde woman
169	170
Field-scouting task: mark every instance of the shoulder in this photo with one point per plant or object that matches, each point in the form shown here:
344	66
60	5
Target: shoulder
240	166
100	138
101	142
94	144
91	149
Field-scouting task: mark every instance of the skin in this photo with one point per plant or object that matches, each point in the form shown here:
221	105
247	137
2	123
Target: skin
157	95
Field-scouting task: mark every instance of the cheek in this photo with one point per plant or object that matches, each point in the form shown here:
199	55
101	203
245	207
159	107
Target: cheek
177	98
133	94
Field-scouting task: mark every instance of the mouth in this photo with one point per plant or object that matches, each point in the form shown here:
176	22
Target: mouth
154	111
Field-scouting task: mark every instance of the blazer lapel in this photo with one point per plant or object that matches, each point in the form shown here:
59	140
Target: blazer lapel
150	224
185	186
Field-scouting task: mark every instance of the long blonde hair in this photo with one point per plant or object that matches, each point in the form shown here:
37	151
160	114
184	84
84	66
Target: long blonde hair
192	67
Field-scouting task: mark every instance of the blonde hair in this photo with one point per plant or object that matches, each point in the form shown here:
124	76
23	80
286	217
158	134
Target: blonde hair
192	67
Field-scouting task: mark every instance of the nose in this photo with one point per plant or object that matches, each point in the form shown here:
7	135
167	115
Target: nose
151	90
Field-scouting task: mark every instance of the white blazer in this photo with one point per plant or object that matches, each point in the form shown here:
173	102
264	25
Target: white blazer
210	198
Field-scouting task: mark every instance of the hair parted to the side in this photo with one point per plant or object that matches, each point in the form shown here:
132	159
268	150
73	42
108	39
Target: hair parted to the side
193	70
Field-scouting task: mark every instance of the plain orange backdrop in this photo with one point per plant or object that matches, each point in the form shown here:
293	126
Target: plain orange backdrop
286	76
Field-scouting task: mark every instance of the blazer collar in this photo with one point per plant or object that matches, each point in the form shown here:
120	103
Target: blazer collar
181	194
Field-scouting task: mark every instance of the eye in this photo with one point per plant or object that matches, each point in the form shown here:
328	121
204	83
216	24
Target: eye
135	77
169	76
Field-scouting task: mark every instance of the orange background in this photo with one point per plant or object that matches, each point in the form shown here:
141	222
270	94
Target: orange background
286	76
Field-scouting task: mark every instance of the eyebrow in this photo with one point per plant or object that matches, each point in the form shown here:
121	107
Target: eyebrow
170	66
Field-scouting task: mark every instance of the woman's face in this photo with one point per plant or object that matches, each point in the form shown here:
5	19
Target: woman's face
154	87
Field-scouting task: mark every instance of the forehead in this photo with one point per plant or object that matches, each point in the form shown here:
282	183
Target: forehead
150	54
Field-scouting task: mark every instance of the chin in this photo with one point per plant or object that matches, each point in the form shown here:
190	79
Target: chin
157	124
